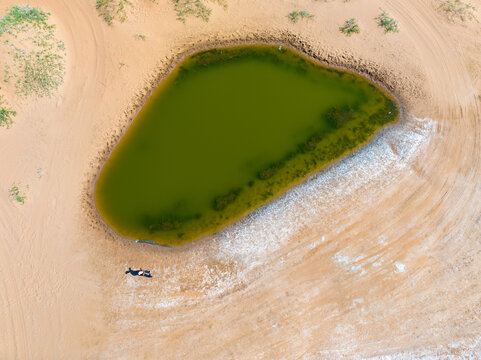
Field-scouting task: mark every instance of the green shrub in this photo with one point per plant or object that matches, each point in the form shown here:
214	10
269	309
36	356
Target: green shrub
195	8
6	116
350	27
23	18
111	10
295	15
140	37
14	193
458	10
388	23
37	56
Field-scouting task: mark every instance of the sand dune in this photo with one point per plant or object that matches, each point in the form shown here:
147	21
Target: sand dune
377	256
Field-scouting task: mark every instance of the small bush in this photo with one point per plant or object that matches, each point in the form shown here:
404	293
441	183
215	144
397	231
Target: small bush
350	27
388	23
6	115
111	10
295	15
140	37
14	193
195	8
458	10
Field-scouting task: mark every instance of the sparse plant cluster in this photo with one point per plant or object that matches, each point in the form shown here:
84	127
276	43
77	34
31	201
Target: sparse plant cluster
350	27
295	15
6	115
196	8
117	10
40	173
222	3
387	22
458	10
111	10
36	56
140	37
16	195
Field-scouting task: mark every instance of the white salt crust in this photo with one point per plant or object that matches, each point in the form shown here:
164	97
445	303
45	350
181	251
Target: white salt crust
465	349
218	266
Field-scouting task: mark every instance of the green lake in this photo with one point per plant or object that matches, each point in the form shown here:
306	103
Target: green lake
228	130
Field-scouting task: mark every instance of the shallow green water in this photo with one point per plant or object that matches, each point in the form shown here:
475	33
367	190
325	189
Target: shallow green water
228	130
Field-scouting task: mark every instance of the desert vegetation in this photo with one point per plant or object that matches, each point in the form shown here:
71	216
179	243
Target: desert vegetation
111	10
6	114
350	27
458	10
295	15
195	8
36	58
140	37
16	195
40	173
388	23
117	10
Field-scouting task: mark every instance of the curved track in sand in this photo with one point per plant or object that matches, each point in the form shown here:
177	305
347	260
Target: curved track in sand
379	255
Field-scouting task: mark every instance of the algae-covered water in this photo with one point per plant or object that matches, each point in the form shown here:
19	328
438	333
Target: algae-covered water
225	132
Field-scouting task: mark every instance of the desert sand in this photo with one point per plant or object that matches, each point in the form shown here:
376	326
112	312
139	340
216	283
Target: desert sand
378	256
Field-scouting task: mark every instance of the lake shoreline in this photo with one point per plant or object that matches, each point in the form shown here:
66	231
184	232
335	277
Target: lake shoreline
291	41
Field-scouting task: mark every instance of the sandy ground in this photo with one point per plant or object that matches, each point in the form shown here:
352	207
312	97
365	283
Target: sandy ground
377	257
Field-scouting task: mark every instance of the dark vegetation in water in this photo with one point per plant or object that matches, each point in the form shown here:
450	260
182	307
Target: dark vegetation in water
244	177
270	171
221	202
168	222
337	117
164	224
